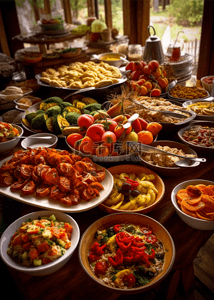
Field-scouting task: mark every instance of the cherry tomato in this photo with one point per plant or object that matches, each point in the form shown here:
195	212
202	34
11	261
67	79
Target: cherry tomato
141	81
146	230
129	280
101	268
151	239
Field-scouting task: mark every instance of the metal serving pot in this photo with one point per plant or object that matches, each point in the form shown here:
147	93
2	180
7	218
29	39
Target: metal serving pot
153	48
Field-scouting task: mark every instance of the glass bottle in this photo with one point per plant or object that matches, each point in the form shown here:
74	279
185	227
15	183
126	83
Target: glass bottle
135	52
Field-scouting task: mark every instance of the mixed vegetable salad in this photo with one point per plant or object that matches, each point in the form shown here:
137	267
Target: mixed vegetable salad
39	242
126	256
7	131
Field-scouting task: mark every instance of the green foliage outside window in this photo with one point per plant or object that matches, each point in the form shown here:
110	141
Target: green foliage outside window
188	12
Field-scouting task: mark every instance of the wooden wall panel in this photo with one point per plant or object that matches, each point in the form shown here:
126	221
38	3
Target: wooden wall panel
143	20
67	11
136	18
108	13
3	37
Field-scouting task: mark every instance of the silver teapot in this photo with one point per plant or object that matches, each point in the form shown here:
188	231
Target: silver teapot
153	48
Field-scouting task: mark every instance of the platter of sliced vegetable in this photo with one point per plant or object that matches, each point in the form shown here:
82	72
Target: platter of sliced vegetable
56	115
44	180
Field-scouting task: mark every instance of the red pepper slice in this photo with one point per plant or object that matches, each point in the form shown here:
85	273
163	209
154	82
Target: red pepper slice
151	256
92	257
151	239
117	228
100	250
138	242
97	249
95	246
117	259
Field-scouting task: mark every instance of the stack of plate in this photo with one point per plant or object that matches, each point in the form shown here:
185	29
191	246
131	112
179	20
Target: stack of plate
183	68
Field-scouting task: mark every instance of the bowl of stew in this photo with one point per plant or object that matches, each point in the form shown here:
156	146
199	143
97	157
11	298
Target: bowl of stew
126	253
199	135
206	82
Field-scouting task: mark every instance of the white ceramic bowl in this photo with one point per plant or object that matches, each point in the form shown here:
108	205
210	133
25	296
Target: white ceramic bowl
206	86
48	268
115	63
9	145
191	221
37	140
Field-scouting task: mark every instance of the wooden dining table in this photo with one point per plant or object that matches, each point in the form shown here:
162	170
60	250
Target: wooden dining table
71	281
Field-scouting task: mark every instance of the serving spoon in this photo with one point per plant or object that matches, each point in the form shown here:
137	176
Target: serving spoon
183	162
30	137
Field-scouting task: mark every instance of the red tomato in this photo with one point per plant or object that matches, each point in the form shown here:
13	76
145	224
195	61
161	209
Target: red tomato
148	85
163	82
134	86
142	90
101	267
95	36
143	63
141	81
129	280
143	77
153	65
147	70
155	93
85	120
95	132
109	138
130	66
151	239
156	73
137	65
73	137
136	74
109	124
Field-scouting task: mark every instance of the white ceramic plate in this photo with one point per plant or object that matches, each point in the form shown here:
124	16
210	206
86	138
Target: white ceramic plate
39	140
47	203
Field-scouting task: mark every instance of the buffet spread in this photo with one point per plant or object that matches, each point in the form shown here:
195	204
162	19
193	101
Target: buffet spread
120	251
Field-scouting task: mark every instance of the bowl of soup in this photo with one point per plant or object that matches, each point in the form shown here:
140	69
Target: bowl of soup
113	59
